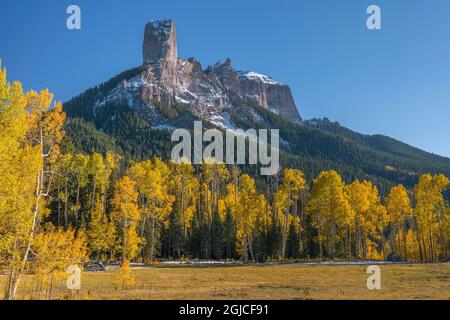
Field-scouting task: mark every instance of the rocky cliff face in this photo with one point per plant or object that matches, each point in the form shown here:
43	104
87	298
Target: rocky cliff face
213	94
160	53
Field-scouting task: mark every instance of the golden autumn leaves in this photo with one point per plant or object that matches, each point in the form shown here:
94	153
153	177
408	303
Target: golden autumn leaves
215	191
58	208
352	222
31	127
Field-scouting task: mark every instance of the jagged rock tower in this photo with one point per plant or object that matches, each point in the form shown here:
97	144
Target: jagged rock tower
160	51
213	94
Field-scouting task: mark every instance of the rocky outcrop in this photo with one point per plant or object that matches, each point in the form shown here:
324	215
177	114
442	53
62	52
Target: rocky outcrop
160	53
160	42
212	94
269	94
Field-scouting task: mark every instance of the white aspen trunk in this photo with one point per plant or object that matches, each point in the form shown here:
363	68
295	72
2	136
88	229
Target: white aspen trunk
251	249
33	227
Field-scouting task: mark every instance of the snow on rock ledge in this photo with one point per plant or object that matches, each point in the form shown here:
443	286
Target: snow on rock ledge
255	76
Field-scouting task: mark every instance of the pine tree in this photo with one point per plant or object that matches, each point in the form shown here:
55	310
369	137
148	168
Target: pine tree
229	236
292	242
217	235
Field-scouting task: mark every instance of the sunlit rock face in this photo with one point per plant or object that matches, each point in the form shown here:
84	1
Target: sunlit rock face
212	94
160	42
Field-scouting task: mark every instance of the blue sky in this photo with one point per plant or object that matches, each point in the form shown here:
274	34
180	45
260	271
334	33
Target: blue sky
395	81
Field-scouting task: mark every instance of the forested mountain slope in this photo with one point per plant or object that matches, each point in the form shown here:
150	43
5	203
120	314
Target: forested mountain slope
134	113
312	146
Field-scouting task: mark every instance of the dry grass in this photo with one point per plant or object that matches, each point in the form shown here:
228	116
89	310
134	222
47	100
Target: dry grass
261	282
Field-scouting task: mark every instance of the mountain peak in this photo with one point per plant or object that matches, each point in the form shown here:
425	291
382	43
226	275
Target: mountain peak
160	41
227	62
217	94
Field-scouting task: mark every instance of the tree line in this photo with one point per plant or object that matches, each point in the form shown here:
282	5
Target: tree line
59	207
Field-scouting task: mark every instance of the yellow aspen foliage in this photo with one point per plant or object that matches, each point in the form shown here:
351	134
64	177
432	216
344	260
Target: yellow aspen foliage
112	161
398	206
369	215
379	221
411	245
53	251
100	173
57	249
20	163
112	209
184	186
329	209
286	201
430	213
151	179
45	123
245	206
126	216
45	120
125	278
102	234
215	176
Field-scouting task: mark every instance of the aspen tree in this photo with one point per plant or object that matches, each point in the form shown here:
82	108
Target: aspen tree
245	206
151	179
398	206
286	200
364	201
19	164
429	212
183	187
328	207
126	216
54	251
101	233
45	120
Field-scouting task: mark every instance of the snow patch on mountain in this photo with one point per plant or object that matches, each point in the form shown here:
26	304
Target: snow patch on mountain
255	76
